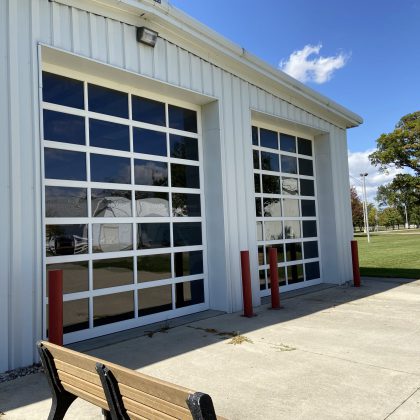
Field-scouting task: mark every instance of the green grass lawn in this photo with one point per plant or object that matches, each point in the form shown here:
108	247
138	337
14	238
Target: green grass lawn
390	254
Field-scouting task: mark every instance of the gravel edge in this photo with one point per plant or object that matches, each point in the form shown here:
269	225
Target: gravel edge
11	375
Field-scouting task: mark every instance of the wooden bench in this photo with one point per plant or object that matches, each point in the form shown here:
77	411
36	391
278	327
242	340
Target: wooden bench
121	393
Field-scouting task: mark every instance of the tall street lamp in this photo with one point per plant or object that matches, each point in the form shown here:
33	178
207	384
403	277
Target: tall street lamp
365	205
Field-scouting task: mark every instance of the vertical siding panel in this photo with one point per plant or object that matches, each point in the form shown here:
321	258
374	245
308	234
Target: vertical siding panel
46	27
172	63
115	43
80	30
283	112
98	36
253	96
207	78
277	106
196	75
63	27
159	60
184	68
269	103
261	100
146	60
131	57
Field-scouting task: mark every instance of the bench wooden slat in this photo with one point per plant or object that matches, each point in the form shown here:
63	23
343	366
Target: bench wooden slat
145	411
99	402
78	372
134	416
81	384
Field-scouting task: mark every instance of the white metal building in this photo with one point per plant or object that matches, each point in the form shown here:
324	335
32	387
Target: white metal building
142	171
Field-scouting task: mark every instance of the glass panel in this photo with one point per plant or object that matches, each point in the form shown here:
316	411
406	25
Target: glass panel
75	315
184	205
62	90
270	161
109	135
306	167
112	237
182	119
189	293
287	143
108	101
75	276
280	252
183	147
293	251
257	183
111	203
292	229
289	186
307	187
262	280
273	231
149	172
149	142
271	184
312	271
153	235
295	274
268	138
272	207
63	164
256	157
290	208
187	234
66	240
309	228
255	136
188	263
185	176
64	128
289	164
304	147
308	208
281	275
111	169
310	249
153	267
259	231
152	204
155	299
113	308
261	255
258	209
112	272
65	202
148	111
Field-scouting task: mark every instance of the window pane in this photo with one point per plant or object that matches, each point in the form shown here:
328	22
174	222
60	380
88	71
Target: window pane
259	231
290	208
154	300
255	136
257	183
149	172
287	143
273	231
109	135
258	209
108	101
152	204
183	147
306	167
304	147
272	207
62	90
153	235
293	251
111	169
309	228
148	111
111	203
281	275
307	187
308	208
184	205
256	158
182	119
65	202
187	234
188	263
311	249
271	184
149	142
280	252
292	229
113	308
263	285
153	267
75	276
189	293
63	164
268	138
289	164
75	315
64	128
185	176
112	272
289	186
270	161
261	260
112	237
312	271
294	274
66	240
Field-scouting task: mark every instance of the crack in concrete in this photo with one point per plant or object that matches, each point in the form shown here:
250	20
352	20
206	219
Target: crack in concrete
400	405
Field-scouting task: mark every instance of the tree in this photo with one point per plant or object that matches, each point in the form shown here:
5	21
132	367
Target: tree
401	147
372	216
356	209
389	217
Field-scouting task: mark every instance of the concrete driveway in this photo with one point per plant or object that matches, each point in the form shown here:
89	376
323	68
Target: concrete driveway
338	352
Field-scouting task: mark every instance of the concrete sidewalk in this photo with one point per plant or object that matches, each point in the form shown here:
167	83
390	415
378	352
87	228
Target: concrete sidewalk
335	353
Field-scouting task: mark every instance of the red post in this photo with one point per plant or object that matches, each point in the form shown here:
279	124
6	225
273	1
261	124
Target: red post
246	284
55	307
274	279
355	261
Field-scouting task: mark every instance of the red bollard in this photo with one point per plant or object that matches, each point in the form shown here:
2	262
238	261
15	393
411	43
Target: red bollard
55	307
355	261
246	284
274	279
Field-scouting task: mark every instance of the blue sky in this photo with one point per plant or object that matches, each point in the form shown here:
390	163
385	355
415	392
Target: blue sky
373	45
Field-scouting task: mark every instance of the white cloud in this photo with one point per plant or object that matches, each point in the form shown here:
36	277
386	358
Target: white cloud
307	65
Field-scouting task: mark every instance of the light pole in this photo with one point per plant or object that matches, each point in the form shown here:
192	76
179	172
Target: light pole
365	212
406	217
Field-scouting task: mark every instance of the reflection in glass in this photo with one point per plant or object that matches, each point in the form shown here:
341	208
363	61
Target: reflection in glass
149	142
64	128
306	167
185	176
289	164
108	101
292	229
272	207
109	135
287	143
183	147
280	252
65	202
261	255
259	231
268	138
75	315
154	300
62	90
149	172
293	251
304	147
294	274
257	183
182	119
308	208
290	208
153	235
152	204
270	161
187	234
255	136
148	111
113	169
111	203
66	240
256	157
112	272
262	280
307	187
258	209
189	293
312	271
188	263
271	184
64	164
75	276
273	231
153	267
112	237
309	228
113	308
186	205
310	249
281	276
289	186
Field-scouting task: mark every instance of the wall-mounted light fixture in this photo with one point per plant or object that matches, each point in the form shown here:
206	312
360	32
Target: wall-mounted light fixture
147	36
